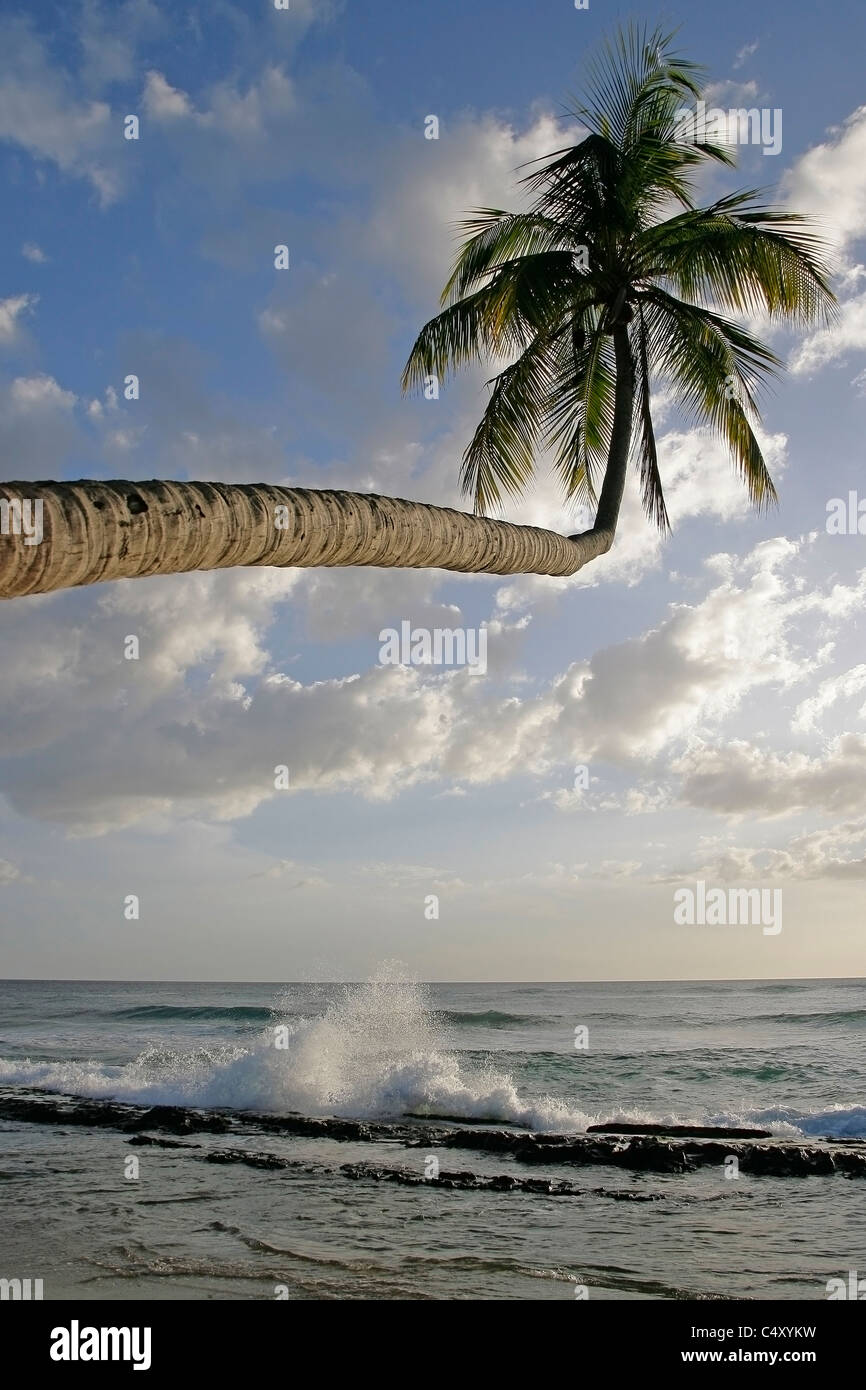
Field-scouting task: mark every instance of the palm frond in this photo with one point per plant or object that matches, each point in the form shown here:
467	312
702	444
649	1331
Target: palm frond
745	257
501	455
579	414
521	298
716	367
495	237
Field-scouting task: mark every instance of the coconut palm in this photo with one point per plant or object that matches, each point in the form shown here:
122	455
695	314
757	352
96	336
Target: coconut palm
613	277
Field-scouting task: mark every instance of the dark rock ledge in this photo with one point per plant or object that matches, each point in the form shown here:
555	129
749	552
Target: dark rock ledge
640	1152
410	1177
681	1131
499	1182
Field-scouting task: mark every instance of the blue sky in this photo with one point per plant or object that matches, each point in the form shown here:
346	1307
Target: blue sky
712	682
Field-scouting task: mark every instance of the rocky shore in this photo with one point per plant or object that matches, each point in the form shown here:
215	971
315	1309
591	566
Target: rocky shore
654	1148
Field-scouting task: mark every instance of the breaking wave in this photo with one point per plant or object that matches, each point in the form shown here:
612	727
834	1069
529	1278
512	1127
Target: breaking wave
378	1052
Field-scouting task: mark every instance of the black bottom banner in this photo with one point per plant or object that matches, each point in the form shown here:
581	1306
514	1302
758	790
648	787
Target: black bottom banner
221	1338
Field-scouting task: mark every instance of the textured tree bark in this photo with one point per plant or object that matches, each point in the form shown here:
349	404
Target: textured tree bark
97	531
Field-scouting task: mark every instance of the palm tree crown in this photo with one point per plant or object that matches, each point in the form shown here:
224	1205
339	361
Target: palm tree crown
613	277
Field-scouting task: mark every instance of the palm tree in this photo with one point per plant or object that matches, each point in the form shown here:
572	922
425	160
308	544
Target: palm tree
611	278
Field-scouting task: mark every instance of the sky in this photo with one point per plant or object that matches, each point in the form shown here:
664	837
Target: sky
712	683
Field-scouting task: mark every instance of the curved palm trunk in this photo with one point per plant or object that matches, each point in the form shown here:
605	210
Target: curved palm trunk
95	531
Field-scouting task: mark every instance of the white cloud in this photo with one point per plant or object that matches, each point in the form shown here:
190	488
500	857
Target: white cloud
828	182
431	185
696	666
42	111
745	53
847	334
110	35
8	872
33	393
237	117
733	93
190	747
38	426
12	311
162	101
837	852
739	779
96	410
699	479
840	687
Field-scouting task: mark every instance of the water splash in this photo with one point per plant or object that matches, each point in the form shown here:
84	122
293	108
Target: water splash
378	1051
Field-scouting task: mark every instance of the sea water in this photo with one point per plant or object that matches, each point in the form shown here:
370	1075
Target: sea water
787	1056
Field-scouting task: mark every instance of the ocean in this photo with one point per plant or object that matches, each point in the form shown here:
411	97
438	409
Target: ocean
236	1193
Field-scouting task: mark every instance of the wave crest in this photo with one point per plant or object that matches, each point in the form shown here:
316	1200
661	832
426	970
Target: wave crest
377	1052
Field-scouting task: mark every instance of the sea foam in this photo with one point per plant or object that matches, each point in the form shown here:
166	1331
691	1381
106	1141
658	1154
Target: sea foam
379	1051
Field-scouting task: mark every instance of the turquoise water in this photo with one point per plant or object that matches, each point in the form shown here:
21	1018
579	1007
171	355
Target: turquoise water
788	1056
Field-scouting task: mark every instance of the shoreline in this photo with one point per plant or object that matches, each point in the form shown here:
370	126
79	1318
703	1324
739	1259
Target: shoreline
652	1148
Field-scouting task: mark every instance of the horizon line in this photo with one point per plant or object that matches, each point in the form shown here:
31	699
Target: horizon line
720	980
